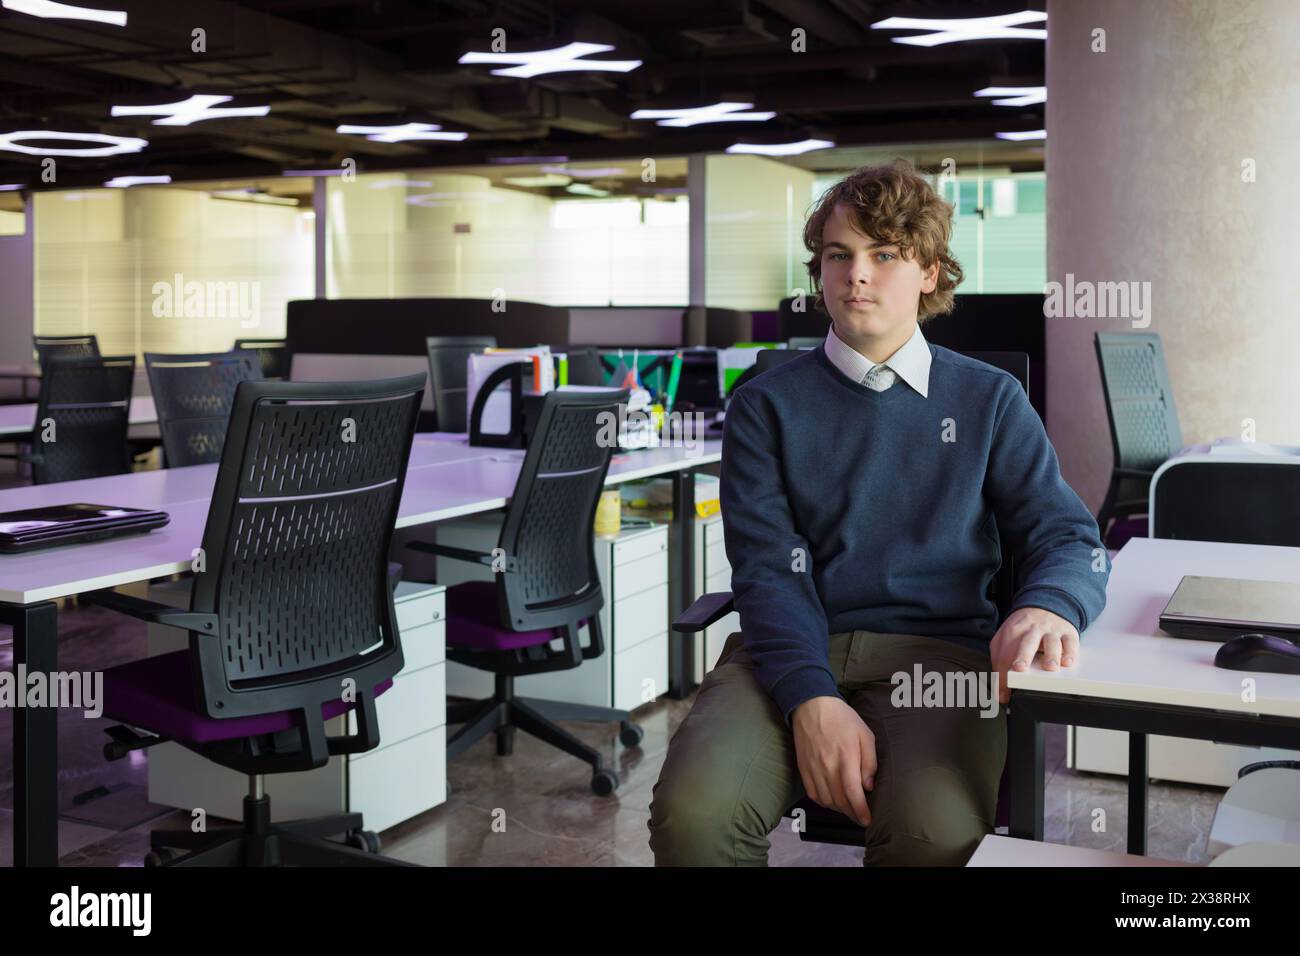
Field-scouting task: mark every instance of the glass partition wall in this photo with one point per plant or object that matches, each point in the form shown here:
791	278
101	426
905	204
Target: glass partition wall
171	268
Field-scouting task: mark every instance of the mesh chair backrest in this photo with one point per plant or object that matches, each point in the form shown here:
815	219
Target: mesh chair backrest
449	375
585	367
548	525
82	418
65	347
296	544
1140	406
193	395
273	354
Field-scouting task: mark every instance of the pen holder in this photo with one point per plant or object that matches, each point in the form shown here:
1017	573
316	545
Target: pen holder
609	513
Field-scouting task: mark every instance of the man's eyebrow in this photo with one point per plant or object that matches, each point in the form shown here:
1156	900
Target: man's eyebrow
875	245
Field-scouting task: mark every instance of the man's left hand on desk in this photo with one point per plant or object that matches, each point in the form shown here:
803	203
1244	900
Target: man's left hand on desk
1026	632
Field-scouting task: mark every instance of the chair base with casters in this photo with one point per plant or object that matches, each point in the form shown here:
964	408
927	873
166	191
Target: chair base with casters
259	842
473	621
504	713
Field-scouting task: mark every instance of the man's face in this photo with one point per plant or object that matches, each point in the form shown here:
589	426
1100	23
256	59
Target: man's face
871	291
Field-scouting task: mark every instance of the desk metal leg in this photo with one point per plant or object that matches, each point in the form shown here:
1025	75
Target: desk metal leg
1025	751
1137	793
36	740
681	649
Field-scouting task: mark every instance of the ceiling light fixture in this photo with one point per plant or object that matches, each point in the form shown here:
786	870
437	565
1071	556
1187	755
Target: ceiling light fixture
603	171
1005	27
564	59
122	182
1027	134
49	9
199	107
717	113
524	160
781	149
582	189
539	182
313	172
1017	95
10	187
401	184
436	199
400	134
112	145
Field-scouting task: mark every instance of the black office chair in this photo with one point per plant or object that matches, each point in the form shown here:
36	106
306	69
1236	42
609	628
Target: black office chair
546	585
585	366
193	395
822	825
292	622
273	354
82	418
449	377
64	347
1143	421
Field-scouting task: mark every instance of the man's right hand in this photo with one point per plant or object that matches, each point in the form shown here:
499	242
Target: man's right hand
837	755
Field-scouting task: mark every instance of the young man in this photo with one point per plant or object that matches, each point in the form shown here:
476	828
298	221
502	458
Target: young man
869	488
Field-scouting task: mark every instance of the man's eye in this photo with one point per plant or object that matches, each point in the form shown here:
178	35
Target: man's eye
888	256
836	255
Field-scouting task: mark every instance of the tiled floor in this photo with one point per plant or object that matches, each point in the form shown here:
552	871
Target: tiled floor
550	816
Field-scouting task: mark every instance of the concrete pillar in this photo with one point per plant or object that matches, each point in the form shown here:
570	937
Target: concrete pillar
1170	161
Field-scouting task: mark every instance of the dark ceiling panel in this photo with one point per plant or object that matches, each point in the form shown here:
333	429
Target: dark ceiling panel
319	63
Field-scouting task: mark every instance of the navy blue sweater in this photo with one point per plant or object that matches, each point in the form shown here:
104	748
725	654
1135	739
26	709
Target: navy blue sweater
846	509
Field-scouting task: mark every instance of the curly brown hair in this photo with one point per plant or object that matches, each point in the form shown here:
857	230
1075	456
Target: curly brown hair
894	204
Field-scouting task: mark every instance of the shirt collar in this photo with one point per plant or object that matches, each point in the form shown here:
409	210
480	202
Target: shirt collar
911	362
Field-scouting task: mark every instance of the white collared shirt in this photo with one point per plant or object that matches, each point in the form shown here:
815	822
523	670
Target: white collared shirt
911	363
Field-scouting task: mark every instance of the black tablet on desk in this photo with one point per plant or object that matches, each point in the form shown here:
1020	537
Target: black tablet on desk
1218	609
55	525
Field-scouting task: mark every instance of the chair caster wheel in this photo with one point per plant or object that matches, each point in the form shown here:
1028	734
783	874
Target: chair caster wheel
630	734
365	840
161	856
604	782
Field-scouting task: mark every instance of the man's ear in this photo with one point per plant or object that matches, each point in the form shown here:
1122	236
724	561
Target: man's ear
930	278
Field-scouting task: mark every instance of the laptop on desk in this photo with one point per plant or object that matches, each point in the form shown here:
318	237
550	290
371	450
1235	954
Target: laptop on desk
1218	609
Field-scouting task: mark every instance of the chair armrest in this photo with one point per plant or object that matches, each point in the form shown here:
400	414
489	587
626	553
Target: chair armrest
153	612
1266	765
707	609
462	554
1133	473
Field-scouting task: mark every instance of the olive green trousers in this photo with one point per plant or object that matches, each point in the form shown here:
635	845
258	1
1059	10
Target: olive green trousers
730	775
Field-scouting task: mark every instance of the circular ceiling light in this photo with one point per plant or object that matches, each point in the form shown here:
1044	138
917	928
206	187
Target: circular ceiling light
111	145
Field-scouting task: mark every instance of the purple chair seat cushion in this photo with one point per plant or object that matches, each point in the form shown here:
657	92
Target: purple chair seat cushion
474	620
157	694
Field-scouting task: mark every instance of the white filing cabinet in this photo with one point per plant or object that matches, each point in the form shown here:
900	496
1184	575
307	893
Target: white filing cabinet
712	573
1178	759
402	777
633	569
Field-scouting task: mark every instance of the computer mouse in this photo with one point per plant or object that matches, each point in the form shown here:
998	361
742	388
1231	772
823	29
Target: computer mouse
1259	652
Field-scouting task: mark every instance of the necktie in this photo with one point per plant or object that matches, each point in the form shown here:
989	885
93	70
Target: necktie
879	378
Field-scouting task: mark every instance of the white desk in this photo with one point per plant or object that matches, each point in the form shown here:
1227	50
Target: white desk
19	420
1002	851
446	478
1131	677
